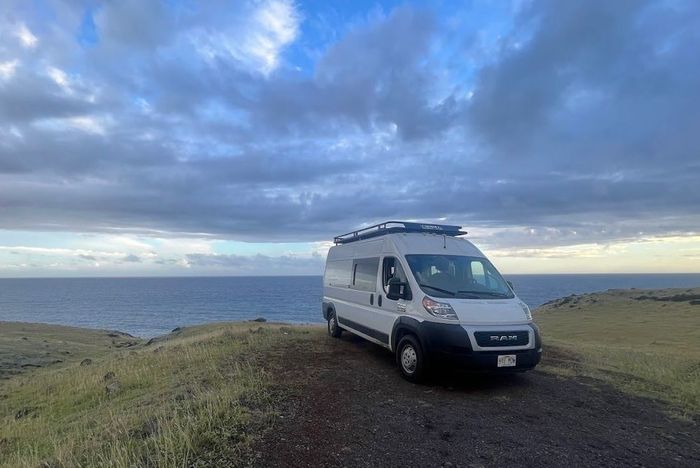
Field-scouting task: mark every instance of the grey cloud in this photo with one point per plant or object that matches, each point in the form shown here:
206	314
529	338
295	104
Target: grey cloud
375	75
135	23
132	259
584	131
29	97
87	257
168	261
258	264
604	81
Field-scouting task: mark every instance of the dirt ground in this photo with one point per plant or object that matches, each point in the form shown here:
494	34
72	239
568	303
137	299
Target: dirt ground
345	404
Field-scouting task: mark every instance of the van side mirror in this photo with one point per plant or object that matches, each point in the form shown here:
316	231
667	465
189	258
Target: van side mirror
511	285
396	287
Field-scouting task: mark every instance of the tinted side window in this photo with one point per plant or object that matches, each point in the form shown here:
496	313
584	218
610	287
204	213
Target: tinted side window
391	268
365	274
477	272
483	273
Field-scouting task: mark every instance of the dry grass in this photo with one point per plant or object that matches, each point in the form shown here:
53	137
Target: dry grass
27	346
197	398
645	346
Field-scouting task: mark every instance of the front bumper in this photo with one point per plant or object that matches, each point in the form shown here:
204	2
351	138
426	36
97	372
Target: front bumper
487	361
449	344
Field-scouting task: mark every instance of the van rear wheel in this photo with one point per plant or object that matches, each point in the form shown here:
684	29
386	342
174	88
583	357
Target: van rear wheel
410	359
333	329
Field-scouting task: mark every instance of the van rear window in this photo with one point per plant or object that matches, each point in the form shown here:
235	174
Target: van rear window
339	273
364	274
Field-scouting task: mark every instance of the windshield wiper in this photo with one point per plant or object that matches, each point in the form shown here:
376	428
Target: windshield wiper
488	293
437	289
468	295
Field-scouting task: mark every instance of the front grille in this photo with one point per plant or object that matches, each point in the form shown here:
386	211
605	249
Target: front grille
487	339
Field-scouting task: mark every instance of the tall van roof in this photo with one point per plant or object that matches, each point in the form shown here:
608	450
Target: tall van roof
432	244
403	238
408	243
393	227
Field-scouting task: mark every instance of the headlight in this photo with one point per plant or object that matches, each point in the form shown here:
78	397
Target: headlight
526	309
439	309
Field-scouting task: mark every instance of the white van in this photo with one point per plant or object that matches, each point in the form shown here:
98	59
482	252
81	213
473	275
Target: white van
428	296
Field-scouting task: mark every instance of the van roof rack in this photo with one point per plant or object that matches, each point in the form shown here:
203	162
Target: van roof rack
392	227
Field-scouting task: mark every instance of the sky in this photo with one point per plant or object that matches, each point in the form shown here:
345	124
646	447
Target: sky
175	137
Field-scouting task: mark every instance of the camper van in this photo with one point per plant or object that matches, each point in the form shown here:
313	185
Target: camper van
428	295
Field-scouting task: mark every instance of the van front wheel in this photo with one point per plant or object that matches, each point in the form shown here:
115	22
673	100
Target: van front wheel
409	357
333	329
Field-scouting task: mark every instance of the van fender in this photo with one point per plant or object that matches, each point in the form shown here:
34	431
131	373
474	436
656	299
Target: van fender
406	324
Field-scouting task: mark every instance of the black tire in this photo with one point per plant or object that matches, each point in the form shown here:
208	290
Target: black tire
334	329
410	359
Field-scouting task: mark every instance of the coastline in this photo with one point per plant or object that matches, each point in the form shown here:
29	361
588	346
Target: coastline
149	307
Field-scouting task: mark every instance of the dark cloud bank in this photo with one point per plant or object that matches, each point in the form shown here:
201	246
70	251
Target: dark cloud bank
586	122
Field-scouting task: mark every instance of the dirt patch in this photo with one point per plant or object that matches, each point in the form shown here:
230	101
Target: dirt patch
345	404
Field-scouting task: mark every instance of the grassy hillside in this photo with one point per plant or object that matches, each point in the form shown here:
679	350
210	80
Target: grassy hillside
202	395
27	346
645	341
199	396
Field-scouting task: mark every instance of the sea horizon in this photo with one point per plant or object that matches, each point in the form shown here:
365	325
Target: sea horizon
148	306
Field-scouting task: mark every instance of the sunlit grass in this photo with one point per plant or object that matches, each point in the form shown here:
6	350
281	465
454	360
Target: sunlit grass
647	347
195	399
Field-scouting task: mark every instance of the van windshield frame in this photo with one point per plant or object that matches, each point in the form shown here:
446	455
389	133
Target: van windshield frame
458	277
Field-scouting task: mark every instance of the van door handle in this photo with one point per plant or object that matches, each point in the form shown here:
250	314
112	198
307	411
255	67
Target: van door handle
371	299
379	300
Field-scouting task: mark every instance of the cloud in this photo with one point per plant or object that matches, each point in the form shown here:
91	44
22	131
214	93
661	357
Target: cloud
258	264
603	82
58	76
132	259
7	69
25	36
255	42
578	126
374	77
136	24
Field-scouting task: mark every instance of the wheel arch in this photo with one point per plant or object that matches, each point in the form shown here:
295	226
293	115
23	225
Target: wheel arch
404	326
327	308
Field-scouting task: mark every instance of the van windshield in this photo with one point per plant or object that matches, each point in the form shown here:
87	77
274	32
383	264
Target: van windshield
458	276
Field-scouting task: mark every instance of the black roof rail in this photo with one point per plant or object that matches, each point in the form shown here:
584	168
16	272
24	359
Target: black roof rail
391	227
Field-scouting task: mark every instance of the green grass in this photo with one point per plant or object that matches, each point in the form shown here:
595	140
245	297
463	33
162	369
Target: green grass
197	398
647	347
201	396
27	346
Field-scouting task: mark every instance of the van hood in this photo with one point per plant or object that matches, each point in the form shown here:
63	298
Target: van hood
488	311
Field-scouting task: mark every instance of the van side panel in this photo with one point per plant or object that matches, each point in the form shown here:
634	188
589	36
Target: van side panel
384	312
354	303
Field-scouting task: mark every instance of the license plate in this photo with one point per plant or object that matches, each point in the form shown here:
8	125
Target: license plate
506	360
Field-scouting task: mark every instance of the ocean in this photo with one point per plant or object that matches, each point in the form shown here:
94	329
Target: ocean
148	307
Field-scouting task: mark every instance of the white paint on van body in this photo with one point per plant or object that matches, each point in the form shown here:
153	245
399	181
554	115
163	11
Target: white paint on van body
473	314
